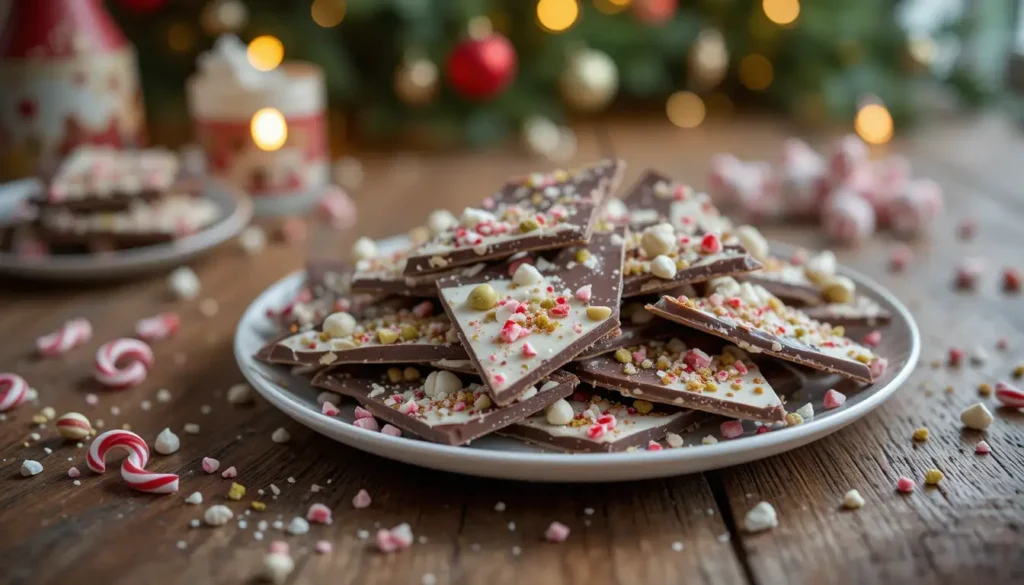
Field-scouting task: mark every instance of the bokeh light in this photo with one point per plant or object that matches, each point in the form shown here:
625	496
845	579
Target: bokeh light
874	124
685	109
611	6
269	129
557	15
265	52
781	12
328	13
756	72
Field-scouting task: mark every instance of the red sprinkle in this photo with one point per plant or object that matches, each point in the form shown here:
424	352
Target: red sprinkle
654	446
873	338
905	485
956	356
596	431
1011	280
580	396
834	399
762	430
229	473
710	244
982	448
900	257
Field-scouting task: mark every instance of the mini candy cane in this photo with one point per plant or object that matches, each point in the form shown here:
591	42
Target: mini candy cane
13	391
913	210
132	469
69	336
158	327
1009	396
847	217
107	356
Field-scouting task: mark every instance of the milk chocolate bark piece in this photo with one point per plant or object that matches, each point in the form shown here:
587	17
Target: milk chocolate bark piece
692	259
385	274
538	212
417	335
453	416
535	313
94	178
656	198
787	281
863	311
697	373
752	318
624	426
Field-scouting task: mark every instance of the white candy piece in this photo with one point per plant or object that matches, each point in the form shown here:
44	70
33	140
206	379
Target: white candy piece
760	517
615	210
218	515
167	442
277	567
441	382
30	467
253	240
754	242
441	220
806	411
471	217
821	266
327	397
195	498
240	394
364	249
976	417
184	283
560	413
853	500
339	324
663	267
281	435
656	242
298	526
675	441
526	275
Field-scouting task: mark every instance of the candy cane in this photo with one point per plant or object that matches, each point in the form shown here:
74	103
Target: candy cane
132	469
107	356
158	327
13	391
69	336
1009	396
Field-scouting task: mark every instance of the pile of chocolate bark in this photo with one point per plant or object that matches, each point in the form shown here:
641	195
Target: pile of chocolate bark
558	314
102	199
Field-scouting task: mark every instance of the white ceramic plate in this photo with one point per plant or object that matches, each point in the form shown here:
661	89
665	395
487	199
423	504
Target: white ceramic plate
235	213
510	459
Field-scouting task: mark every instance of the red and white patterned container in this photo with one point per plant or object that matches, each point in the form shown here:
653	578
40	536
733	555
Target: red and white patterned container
67	77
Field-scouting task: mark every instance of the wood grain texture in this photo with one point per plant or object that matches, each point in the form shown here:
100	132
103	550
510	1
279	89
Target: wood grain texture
101	532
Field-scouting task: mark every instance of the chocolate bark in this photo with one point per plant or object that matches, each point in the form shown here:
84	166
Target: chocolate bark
570	300
863	311
453	418
630	429
385	274
697	373
758	322
539	212
656	198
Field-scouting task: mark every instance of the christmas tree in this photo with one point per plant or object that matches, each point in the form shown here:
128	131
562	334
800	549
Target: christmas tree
451	72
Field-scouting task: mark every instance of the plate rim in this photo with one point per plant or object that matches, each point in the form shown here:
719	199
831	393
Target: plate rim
491	462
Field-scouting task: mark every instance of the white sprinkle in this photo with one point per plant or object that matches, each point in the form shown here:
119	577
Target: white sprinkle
260	491
163	395
281	435
277	525
512	526
429	579
77	482
262	525
145	405
586	521
588	511
167	442
242	524
240	394
194	523
218	515
114	410
760	517
257	535
30	467
253	240
674	440
806	411
98	423
853	500
298	526
724	537
275	490
208	307
677	546
182	545
35	436
192	428
291	480
499	507
184	283
277	567
47	450
194	498
205	409
516	551
79	444
363	534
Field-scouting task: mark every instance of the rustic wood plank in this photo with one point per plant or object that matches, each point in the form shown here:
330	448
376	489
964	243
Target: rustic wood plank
968	527
55	532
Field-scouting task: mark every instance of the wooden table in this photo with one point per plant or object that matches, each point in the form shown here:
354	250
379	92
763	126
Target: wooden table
969	529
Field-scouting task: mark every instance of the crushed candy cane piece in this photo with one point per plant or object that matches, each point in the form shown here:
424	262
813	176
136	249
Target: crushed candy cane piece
229	473
654	446
367	424
398	538
277	567
556	532
905	485
73	472
900	257
362	413
584	293
210	465
361	500
319	514
982	448
392	430
731	429
834	399
968	272
873	338
323	547
218	515
1011	280
956	356
329	409
1009	396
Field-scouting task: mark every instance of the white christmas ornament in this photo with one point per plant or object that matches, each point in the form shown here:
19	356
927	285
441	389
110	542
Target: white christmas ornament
590	80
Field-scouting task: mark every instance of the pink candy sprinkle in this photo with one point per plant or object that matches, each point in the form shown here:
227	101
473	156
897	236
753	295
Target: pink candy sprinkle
762	430
956	356
279	547
361	500
319	514
323	547
409	407
556	532
363	413
73	472
584	293
900	257
1009	396
696	359
982	448
904	485
511	331
210	465
731	429
229	472
596	431
873	338
654	446
459	406
878	367
91	399
392	430
368	424
329	409
834	399
1011	280
398	538
528	350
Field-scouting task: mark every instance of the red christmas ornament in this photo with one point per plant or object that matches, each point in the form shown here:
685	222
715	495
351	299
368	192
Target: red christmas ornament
481	68
654	11
142	6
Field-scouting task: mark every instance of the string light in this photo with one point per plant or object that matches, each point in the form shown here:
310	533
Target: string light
328	13
557	15
756	72
269	129
874	124
685	109
611	6
781	12
265	52
180	37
